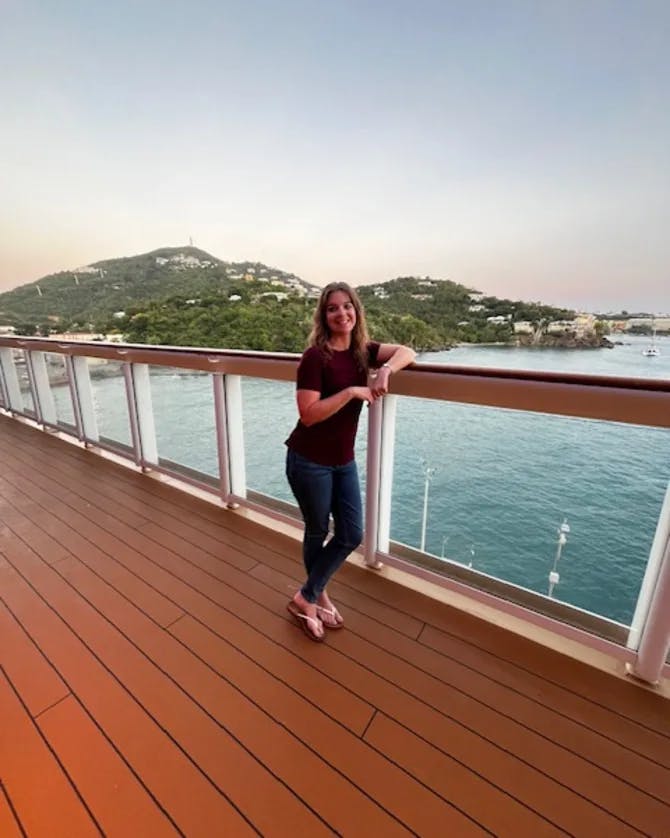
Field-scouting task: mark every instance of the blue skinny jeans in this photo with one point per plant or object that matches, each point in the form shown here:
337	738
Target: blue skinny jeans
320	492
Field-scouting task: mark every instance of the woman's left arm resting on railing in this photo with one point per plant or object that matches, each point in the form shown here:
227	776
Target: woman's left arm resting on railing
392	357
395	357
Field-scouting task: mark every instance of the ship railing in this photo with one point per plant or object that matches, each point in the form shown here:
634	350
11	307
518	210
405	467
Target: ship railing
35	372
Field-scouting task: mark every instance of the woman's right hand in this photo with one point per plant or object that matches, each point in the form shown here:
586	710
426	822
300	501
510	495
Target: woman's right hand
365	394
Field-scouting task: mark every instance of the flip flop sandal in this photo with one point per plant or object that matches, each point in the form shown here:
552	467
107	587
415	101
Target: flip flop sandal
334	614
305	622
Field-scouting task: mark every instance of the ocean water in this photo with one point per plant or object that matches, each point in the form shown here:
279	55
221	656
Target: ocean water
502	481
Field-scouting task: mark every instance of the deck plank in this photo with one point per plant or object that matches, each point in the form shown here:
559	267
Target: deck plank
157	626
299	769
551	762
417	716
36	681
182	789
277	746
495	809
206	528
658	749
182	582
469	683
632	736
363	766
9	825
45	801
53	534
218	756
114	795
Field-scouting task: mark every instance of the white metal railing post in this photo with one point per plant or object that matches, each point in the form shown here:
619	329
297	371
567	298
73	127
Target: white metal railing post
651	573
74	396
221	424
14	402
37	408
235	433
372	481
655	638
131	407
3	391
387	451
45	406
145	414
141	414
84	392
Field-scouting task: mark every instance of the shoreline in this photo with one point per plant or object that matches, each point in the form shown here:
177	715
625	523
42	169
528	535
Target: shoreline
516	345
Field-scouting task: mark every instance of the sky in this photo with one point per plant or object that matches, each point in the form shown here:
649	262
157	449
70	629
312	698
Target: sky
521	148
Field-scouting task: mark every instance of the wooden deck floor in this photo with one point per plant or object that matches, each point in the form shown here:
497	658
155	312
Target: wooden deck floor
152	683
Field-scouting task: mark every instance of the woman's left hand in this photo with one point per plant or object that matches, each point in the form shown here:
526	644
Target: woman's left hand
380	385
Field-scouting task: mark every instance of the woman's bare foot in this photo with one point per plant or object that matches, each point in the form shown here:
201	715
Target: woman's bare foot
330	616
307	615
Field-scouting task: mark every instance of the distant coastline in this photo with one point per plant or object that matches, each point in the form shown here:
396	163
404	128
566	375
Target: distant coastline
546	342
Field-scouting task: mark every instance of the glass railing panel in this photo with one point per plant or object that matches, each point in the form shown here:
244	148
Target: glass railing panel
270	413
60	389
502	484
110	403
185	422
21	366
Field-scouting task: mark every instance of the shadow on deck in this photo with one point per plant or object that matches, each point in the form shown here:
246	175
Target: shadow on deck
153	683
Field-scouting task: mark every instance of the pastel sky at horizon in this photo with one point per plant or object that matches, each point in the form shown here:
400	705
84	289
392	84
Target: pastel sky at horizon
517	147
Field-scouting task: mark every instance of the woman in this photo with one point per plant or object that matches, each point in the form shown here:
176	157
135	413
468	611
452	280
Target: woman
320	466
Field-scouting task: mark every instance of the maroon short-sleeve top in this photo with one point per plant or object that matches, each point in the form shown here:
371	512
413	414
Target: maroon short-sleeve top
331	442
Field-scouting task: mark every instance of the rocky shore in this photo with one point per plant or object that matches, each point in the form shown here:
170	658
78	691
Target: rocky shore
568	340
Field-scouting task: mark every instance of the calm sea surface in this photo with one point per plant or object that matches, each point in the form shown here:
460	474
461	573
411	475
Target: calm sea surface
503	480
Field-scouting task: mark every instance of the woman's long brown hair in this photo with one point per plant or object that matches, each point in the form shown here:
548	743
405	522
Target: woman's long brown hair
320	334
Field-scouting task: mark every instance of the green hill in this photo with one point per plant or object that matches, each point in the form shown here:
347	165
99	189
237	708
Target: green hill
186	297
90	295
449	313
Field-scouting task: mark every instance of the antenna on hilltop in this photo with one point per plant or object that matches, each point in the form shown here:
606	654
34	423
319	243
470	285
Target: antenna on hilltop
190	241
39	290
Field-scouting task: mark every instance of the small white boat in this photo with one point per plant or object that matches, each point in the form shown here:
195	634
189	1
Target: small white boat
652	351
